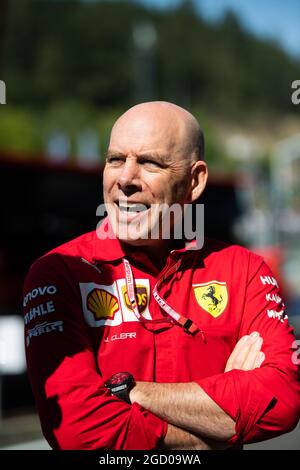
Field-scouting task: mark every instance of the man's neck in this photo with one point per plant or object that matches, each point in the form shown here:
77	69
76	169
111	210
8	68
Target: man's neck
159	252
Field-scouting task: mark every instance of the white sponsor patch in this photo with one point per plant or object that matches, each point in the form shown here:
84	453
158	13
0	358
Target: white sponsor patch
39	291
268	280
38	311
273	298
42	328
281	315
106	304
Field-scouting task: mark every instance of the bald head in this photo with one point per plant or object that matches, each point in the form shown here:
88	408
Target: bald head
167	122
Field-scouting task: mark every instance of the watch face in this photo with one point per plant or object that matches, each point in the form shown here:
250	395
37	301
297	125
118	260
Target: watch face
119	378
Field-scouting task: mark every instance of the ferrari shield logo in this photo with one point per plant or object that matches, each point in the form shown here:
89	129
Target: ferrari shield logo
212	297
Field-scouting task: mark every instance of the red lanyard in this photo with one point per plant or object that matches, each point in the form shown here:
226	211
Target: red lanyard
174	317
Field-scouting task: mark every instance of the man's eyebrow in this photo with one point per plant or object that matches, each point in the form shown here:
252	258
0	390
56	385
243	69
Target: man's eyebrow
111	153
152	156
156	157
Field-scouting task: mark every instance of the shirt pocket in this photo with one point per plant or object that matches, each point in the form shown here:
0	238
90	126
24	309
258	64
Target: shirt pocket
204	355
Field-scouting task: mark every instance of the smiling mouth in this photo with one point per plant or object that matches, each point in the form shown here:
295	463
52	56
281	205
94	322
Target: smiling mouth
132	207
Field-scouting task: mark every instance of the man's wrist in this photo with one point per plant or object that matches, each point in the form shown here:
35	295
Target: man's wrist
134	393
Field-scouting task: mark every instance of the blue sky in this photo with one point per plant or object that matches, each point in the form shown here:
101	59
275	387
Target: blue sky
275	19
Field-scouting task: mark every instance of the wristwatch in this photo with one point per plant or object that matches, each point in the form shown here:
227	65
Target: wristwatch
120	385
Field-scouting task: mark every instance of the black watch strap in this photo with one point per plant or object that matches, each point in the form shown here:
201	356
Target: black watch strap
122	394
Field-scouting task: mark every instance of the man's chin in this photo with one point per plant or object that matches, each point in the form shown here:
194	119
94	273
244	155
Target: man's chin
132	235
135	230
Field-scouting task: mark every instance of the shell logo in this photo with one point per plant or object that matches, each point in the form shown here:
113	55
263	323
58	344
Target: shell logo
102	304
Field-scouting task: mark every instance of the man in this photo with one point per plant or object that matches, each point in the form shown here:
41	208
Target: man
137	341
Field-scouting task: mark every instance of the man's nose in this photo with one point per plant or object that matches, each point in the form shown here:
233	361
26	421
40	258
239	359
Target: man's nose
129	176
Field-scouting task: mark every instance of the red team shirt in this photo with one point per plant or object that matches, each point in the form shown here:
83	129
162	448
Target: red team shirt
80	329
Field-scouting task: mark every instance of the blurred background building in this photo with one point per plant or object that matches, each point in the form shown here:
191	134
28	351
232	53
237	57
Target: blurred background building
71	67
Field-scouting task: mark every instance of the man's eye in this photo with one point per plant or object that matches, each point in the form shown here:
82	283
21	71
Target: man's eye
151	163
114	159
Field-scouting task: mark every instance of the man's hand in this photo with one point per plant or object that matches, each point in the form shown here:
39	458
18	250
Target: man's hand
247	353
180	439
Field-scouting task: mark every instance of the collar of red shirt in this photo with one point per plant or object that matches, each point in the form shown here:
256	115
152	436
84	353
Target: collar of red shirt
112	249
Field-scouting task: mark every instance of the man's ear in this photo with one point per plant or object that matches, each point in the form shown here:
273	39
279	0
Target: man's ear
199	174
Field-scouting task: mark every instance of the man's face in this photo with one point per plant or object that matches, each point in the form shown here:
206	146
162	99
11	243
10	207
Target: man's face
146	166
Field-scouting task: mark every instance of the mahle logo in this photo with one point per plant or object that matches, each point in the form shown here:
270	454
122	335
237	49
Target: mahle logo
2	92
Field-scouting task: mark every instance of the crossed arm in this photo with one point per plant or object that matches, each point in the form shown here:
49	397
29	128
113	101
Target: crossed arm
195	420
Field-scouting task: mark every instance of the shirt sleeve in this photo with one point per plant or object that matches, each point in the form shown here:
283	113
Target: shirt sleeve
76	410
264	402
